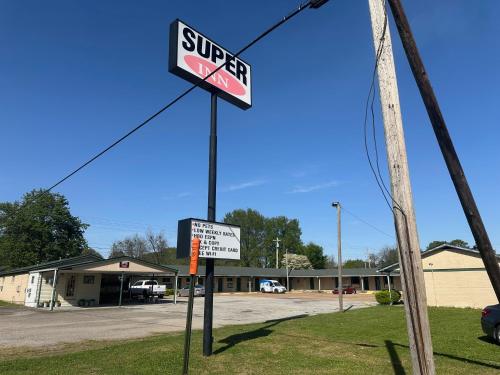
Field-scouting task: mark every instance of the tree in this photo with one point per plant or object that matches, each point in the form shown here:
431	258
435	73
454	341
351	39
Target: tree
296	262
460	243
354	263
252	225
456	242
134	247
434	244
39	228
157	244
387	256
330	262
314	253
287	231
90	251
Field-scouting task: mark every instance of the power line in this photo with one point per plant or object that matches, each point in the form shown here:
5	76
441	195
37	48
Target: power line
367	223
312	3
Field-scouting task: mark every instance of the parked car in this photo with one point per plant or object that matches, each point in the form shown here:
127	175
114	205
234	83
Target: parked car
345	290
271	286
147	288
199	291
490	322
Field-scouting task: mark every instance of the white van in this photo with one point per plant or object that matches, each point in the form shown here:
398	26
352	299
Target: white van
271	286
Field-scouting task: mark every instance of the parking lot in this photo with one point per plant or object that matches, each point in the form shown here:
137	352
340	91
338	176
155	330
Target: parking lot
22	327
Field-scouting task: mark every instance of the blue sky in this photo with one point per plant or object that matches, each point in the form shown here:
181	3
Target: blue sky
76	75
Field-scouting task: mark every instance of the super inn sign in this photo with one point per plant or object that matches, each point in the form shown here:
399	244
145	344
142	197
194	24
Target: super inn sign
193	56
218	240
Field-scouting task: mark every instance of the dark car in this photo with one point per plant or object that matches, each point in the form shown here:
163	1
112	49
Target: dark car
490	322
345	290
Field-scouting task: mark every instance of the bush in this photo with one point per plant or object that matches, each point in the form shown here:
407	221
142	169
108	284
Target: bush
385	298
169	292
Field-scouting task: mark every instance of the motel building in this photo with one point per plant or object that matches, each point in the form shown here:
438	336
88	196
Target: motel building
247	279
79	281
454	277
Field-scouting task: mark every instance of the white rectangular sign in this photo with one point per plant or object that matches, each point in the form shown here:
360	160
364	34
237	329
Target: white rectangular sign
217	240
193	57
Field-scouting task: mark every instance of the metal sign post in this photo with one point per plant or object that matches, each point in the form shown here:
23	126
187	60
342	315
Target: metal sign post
193	270
210	263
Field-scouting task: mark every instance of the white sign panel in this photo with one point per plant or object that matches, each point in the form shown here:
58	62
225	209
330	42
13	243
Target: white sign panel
193	57
218	240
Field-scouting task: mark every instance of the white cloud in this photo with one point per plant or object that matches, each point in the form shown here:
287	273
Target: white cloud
244	185
310	188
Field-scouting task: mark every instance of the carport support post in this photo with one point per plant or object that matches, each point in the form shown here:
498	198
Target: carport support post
121	290
53	295
210	262
175	288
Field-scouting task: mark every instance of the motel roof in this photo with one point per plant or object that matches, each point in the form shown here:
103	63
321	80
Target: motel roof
395	266
228	271
82	261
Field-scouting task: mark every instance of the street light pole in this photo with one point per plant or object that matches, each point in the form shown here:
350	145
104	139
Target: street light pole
287	279
339	246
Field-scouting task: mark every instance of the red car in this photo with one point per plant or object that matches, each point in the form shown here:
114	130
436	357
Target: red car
345	290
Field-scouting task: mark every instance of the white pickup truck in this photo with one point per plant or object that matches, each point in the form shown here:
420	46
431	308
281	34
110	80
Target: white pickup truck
147	288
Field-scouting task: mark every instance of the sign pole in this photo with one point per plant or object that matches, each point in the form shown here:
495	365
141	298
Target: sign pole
212	190
412	276
193	270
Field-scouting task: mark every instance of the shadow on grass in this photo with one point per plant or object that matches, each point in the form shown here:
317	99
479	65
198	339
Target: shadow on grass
487	339
264	331
396	363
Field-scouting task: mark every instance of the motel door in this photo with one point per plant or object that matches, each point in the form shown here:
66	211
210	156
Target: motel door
219	284
32	289
238	284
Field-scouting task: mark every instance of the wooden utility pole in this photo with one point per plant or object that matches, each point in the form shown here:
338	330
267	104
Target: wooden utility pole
447	149
412	276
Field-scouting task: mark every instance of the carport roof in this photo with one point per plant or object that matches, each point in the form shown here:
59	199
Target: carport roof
280	272
82	259
103	262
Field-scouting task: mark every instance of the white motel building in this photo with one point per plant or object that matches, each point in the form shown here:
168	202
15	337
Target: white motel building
454	276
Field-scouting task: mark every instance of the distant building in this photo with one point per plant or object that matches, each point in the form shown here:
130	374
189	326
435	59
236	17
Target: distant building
454	276
246	279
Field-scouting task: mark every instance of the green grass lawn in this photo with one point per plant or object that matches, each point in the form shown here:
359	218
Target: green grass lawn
367	341
8	304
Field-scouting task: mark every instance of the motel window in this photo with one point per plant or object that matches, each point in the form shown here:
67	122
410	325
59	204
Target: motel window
229	282
32	279
355	280
88	279
70	287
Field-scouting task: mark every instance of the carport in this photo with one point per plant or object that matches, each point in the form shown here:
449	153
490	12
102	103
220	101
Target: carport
97	282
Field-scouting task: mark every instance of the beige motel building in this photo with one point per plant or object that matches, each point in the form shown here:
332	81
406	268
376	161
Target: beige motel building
79	281
454	276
